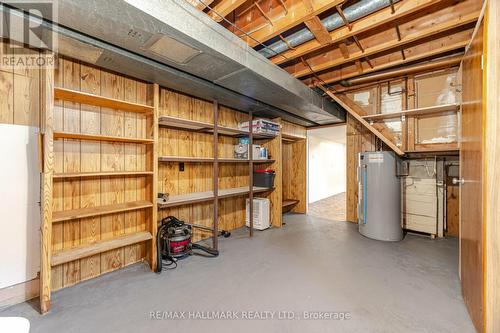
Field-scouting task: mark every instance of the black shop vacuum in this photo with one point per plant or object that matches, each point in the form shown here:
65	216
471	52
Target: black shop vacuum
174	243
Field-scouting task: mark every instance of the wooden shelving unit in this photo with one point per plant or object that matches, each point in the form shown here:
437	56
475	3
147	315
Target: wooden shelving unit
415	112
68	154
221	134
203	127
80	213
79	252
93	137
96	100
181	159
190	198
102	174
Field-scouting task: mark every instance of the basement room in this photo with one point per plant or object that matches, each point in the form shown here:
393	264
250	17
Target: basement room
250	165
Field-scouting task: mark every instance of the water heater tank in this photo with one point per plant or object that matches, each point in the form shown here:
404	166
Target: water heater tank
379	196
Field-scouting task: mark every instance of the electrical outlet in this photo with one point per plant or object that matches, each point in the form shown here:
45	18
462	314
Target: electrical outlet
181	166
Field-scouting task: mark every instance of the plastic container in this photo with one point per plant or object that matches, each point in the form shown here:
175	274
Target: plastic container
264	178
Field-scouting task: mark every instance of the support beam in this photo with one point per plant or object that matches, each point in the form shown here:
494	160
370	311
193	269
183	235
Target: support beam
200	5
332	77
224	8
380	18
415	37
318	30
344	50
47	120
355	111
297	14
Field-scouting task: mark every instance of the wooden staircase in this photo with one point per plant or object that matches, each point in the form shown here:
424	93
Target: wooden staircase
379	130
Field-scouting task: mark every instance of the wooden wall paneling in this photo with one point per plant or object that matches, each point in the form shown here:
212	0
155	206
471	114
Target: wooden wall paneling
144	128
152	183
71	163
299	175
58	193
452	216
130	164
275	197
358	140
471	193
90	228
6	90
26	85
492	175
46	124
112	159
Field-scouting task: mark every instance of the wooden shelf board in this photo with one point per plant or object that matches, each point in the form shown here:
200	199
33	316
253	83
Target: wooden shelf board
291	137
73	214
186	159
208	160
95	137
185	124
191	198
415	112
193	125
102	174
64	256
229	131
289	202
91	99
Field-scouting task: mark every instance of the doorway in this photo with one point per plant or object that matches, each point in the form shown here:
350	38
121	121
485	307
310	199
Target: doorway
327	172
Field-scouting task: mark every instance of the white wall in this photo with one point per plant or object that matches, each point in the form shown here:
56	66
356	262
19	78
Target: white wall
19	207
327	162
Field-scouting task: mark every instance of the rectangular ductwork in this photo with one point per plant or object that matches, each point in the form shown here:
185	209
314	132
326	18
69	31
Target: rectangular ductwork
171	42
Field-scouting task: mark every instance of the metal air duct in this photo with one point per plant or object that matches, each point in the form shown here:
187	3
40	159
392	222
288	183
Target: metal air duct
334	21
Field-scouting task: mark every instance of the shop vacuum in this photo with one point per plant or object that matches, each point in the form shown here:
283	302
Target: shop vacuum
174	243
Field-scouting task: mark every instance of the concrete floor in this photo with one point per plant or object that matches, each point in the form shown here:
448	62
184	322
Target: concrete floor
309	265
331	208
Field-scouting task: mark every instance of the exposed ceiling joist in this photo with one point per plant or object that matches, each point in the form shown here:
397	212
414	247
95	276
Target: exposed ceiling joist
333	77
223	8
297	14
344	50
318	30
403	8
199	4
415	37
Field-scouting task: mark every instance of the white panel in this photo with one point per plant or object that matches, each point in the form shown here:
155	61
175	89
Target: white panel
19	204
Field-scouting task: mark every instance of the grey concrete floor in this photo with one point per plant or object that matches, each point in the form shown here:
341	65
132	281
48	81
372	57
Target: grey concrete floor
309	265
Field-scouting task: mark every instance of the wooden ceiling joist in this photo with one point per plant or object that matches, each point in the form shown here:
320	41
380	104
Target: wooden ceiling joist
223	8
297	14
403	8
199	4
343	17
343	50
415	37
331	77
318	30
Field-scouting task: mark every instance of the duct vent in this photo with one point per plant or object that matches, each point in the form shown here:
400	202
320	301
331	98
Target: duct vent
171	49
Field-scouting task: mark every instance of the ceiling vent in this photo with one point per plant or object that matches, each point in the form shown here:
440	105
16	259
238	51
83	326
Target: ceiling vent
171	49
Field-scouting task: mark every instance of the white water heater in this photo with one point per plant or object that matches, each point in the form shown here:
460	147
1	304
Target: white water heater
261	219
379	196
